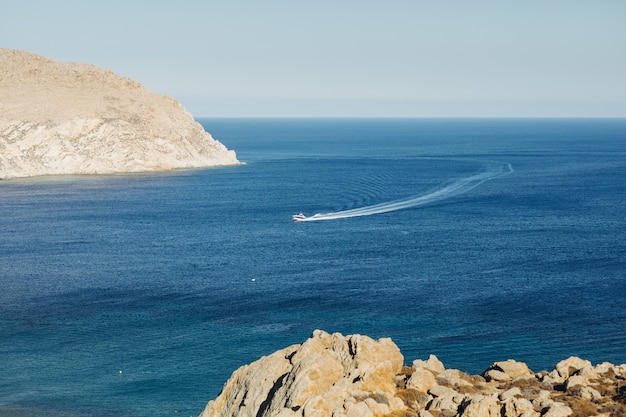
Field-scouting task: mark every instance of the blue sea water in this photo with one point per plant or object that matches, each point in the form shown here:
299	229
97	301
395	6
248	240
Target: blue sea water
138	295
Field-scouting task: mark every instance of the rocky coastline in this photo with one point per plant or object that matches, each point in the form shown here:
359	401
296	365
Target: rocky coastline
356	376
71	118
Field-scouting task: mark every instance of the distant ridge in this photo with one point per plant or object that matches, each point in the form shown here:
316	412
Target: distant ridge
70	118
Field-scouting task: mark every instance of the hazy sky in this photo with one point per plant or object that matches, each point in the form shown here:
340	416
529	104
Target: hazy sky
388	58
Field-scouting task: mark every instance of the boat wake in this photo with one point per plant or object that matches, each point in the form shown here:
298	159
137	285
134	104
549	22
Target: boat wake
463	185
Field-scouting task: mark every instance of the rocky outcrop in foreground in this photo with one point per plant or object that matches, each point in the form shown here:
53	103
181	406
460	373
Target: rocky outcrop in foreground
356	376
65	118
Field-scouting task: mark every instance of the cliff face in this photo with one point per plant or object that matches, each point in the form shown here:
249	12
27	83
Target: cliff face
63	118
355	376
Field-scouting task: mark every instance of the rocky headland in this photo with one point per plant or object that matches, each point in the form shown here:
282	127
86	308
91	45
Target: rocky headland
330	375
68	118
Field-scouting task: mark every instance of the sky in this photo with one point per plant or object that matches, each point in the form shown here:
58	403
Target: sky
345	58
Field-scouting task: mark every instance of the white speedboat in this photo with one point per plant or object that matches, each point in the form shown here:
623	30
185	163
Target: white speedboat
298	217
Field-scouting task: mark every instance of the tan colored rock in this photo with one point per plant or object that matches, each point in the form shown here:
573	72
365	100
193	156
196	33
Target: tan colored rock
421	380
444	403
553	377
326	375
485	407
373	364
337	376
517	407
395	404
508	410
605	367
571	365
590	394
453	378
542	400
318	342
576	380
510	393
446	399
342	391
589	372
496	375
558	409
285	412
316	407
433	364
441	391
377	408
67	118
523	407
246	390
310	377
513	369
359	410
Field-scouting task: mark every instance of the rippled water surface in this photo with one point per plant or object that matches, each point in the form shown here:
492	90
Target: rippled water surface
138	295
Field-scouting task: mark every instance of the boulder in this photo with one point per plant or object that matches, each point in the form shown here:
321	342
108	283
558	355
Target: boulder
571	365
523	407
370	364
605	367
553	377
507	370
249	387
421	380
496	375
326	375
576	380
310	377
510	393
590	393
453	378
433	364
441	391
558	409
357	410
485	407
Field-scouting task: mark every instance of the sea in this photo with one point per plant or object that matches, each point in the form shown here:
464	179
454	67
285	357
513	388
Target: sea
476	240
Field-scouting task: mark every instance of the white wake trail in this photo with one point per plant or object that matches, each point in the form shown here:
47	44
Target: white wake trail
458	187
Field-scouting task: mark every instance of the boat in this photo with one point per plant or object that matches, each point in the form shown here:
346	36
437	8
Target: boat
298	217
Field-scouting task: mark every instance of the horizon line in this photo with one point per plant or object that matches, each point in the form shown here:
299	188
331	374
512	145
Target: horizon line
415	117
